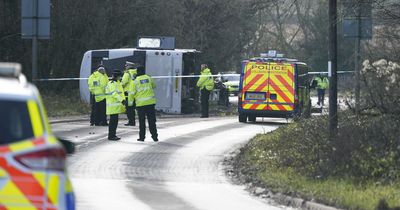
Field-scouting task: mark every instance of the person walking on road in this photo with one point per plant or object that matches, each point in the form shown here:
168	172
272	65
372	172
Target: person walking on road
142	91
206	85
97	83
322	83
128	77
115	103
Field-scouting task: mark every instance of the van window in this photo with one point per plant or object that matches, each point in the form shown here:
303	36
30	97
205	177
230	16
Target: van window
15	123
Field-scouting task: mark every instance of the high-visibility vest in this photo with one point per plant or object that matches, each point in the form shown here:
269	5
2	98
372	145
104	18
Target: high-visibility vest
97	83
206	80
142	91
322	83
115	97
127	78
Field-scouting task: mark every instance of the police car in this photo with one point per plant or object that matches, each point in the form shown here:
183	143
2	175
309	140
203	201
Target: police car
231	82
32	160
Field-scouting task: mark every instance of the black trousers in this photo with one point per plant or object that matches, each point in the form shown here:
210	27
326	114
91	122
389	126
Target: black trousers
98	114
321	96
112	126
148	111
204	97
130	111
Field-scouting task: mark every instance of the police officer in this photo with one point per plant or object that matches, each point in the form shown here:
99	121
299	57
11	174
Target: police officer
115	103
322	83
142	90
128	77
97	83
206	85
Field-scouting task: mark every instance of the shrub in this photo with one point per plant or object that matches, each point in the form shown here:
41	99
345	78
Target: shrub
382	80
366	147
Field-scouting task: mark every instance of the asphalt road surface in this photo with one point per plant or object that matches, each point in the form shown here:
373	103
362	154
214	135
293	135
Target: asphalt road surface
182	171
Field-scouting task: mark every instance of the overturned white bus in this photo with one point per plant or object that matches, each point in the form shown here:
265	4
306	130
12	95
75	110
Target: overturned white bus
175	94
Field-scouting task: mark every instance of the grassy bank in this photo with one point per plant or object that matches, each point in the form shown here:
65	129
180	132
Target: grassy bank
64	105
357	170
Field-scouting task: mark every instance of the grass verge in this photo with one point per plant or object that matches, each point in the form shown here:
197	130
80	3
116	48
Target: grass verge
64	105
359	171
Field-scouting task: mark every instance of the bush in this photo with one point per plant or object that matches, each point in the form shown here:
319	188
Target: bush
366	147
382	80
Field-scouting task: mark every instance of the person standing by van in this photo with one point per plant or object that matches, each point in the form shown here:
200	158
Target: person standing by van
115	103
97	83
206	85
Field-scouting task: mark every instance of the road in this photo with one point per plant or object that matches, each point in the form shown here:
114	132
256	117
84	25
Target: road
182	171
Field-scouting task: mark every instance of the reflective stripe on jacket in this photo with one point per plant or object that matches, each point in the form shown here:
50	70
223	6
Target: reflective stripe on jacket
206	80
142	91
97	83
127	78
115	96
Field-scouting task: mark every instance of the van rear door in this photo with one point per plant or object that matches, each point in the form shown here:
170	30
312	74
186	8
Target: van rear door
255	86
281	91
268	86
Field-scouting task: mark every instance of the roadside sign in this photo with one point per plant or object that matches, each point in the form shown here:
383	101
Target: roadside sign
35	19
361	28
357	21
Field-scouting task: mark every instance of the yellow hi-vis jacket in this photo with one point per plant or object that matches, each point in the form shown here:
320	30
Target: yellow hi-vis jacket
115	97
97	83
142	91
322	83
206	80
127	78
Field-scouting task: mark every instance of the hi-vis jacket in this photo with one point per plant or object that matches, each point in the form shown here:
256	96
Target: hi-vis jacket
128	78
206	80
115	97
97	83
322	83
142	91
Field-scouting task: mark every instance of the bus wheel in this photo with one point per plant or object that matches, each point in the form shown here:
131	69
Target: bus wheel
252	118
242	118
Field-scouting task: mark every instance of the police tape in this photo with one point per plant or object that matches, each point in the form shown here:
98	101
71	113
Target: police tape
325	72
183	76
154	77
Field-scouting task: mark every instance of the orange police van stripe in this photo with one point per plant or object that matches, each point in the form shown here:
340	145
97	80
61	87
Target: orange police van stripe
26	183
268	81
27	189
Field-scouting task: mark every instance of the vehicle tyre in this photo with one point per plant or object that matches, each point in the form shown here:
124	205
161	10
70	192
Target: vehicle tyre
252	118
242	118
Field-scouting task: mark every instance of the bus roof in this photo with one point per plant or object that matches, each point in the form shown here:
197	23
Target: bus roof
142	49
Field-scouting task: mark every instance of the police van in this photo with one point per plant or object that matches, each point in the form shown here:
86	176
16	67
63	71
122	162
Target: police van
168	66
273	86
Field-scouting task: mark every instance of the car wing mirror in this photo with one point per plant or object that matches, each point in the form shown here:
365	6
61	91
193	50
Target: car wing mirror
68	145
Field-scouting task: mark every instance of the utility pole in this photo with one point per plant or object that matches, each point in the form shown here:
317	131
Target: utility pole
35	40
333	117
357	67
